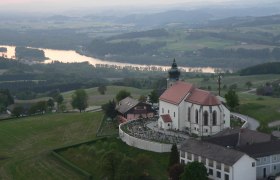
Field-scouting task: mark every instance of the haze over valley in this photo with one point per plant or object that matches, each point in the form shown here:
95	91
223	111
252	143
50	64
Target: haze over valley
89	86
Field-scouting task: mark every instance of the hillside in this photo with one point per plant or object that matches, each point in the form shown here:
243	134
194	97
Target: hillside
234	43
97	99
26	144
267	68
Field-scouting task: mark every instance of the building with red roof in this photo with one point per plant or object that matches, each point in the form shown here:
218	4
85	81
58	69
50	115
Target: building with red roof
184	107
131	109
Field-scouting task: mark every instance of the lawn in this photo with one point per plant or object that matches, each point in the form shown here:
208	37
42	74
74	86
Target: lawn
26	144
88	157
96	99
264	109
228	80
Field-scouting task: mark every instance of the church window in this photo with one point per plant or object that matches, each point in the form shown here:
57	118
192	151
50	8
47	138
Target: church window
162	110
214	118
189	114
205	118
174	114
196	116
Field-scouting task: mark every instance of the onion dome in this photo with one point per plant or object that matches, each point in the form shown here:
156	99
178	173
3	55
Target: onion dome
174	72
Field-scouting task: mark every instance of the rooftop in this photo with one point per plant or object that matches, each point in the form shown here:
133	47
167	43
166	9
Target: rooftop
126	104
238	137
202	97
261	149
176	93
212	151
166	118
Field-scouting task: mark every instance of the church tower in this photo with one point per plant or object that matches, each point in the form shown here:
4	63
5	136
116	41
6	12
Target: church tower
173	74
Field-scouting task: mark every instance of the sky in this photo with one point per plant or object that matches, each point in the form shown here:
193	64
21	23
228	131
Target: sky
68	4
64	5
102	2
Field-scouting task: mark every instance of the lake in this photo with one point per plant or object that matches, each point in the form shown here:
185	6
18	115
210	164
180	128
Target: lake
70	56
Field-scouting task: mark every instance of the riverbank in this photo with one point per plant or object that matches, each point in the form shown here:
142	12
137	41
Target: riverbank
72	56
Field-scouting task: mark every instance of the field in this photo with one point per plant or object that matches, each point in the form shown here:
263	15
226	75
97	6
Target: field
85	155
97	99
228	80
26	144
264	109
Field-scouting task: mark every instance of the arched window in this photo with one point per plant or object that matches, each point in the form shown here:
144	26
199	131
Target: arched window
205	118
196	116
214	118
189	114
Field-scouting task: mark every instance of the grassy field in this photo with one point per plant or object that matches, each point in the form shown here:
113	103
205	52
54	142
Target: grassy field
228	80
85	155
264	109
97	99
26	144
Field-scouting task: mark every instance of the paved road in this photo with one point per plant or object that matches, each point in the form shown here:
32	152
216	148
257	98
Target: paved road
253	124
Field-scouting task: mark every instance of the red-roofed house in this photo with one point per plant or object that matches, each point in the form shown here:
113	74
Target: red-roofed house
191	109
165	121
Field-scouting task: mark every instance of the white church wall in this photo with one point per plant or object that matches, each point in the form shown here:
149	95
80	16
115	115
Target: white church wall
226	116
167	108
182	116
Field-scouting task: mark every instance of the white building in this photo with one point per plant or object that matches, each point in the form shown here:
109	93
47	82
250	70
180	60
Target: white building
188	108
264	148
221	163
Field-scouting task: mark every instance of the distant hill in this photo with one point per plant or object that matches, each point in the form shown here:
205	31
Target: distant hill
246	21
266	68
142	34
164	18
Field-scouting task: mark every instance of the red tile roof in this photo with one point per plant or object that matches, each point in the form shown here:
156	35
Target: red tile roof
202	97
176	93
166	118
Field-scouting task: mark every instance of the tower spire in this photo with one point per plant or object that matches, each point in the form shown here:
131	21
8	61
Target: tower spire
173	74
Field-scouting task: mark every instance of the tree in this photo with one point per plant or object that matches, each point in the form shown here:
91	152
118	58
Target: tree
17	111
59	99
144	163
110	162
153	96
102	89
128	170
232	99
194	171
122	94
6	99
50	104
39	107
80	100
142	98
249	84
175	171
174	156
110	109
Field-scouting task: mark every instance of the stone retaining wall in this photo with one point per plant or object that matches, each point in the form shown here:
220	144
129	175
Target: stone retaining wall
143	144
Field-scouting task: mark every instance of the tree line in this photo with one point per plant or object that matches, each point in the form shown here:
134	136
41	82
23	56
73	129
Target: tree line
25	81
101	47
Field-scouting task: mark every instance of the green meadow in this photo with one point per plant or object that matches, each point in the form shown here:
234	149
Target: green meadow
26	144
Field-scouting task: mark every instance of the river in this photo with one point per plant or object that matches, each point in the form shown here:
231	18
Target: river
70	56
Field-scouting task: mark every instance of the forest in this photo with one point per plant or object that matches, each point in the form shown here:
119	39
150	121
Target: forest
30	81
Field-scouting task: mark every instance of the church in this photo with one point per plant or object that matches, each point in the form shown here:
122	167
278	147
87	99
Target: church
184	107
